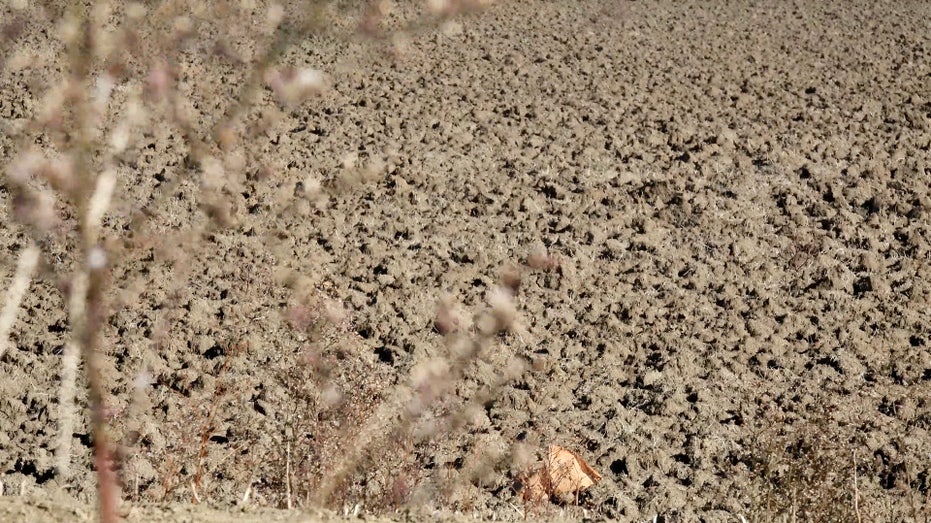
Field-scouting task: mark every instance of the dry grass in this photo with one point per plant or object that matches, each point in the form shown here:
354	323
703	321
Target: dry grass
815	470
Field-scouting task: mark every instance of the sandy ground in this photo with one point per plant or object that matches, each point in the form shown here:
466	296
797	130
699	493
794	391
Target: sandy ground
730	318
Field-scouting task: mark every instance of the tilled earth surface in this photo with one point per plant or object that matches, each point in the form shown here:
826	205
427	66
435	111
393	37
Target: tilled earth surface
720	214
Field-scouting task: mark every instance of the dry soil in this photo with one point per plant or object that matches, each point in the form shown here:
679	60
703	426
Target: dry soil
720	213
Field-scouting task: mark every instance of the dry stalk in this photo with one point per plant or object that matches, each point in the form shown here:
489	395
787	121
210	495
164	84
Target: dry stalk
69	373
26	266
395	418
208	424
89	335
91	316
856	489
287	474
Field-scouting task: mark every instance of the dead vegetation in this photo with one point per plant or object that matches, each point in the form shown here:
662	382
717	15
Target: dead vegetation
811	470
124	79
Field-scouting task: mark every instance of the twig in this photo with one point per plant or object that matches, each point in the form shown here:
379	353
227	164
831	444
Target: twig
517	509
194	491
69	374
95	314
28	260
287	473
208	425
248	493
97	206
92	197
856	489
396	417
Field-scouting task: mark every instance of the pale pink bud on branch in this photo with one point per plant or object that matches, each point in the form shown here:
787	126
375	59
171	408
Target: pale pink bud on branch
22	169
159	81
103	88
275	15
502	306
135	10
540	259
294	86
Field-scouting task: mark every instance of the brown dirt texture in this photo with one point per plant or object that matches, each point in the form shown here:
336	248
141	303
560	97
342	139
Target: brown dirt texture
718	213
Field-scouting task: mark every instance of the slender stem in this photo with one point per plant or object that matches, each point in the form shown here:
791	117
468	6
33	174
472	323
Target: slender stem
28	260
